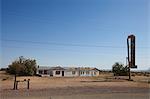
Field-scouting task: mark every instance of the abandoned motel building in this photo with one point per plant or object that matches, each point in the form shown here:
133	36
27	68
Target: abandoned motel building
67	71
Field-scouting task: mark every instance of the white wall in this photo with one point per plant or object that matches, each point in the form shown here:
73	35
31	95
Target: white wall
91	73
42	72
56	75
84	73
69	74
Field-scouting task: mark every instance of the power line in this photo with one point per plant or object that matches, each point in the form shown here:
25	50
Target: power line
67	44
59	50
63	44
68	50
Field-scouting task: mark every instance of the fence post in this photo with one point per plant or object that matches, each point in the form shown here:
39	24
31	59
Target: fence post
15	82
28	83
16	85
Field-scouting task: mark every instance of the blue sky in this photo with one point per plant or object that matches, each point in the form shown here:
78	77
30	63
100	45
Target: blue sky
49	30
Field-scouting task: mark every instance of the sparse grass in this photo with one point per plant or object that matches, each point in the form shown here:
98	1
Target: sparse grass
148	81
5	76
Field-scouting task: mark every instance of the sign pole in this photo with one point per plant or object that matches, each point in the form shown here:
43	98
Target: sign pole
131	53
129	74
128	58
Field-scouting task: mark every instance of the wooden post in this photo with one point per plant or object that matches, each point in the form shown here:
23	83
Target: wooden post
129	74
28	84
14	83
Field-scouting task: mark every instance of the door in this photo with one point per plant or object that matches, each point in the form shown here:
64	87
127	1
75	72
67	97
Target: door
51	73
62	73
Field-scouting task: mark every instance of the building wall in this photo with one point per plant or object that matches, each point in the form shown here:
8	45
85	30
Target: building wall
95	73
42	72
57	75
71	73
89	73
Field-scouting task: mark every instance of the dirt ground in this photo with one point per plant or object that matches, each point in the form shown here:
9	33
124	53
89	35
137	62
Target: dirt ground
102	87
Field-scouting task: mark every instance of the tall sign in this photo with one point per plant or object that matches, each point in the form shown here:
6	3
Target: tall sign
131	51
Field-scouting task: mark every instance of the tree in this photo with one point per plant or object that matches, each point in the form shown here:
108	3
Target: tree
119	70
23	67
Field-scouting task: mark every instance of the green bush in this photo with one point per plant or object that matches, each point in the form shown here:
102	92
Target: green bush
23	67
119	70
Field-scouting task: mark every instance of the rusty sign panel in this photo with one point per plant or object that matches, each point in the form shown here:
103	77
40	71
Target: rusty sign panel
131	51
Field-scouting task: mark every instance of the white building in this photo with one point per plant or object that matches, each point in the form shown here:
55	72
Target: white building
67	71
86	71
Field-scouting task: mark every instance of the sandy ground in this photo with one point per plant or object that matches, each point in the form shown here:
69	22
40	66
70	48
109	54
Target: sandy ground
102	87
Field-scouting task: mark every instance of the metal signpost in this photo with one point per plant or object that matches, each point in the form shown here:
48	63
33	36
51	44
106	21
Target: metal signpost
131	53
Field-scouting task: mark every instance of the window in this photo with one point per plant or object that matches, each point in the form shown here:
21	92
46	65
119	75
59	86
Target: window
87	72
45	71
40	72
94	73
73	72
83	72
57	72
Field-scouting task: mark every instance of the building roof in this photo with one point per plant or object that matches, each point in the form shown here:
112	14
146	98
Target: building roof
57	68
71	68
43	67
52	68
88	68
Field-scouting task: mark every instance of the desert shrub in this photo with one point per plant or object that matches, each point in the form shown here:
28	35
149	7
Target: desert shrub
119	70
23	67
133	75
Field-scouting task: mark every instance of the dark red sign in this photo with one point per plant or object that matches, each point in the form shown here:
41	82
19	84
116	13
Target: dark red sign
131	51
